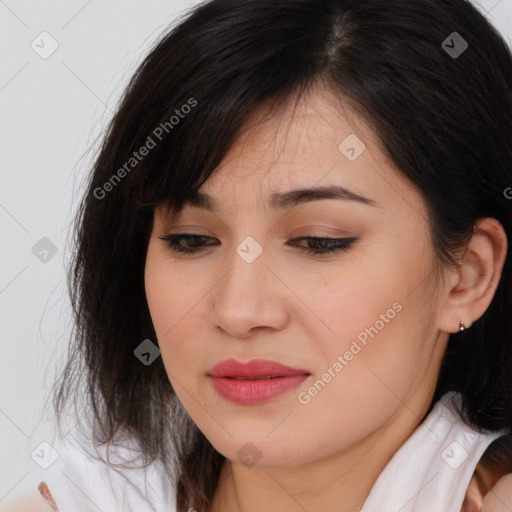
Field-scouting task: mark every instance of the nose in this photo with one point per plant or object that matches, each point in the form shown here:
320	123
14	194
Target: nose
249	298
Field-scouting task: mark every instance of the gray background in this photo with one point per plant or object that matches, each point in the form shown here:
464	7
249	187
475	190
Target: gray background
52	109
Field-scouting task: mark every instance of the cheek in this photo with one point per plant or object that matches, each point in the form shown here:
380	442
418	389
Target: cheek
360	307
159	295
368	348
171	293
378	341
170	303
171	315
365	373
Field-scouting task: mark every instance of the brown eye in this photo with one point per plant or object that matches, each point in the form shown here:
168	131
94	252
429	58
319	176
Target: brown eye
186	243
319	246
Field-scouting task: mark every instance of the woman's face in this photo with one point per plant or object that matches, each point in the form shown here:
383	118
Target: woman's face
357	325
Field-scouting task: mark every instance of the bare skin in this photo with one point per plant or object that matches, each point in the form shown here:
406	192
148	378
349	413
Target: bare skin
499	497
490	490
304	310
29	502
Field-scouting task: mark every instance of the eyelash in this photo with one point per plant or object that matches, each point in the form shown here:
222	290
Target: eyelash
343	244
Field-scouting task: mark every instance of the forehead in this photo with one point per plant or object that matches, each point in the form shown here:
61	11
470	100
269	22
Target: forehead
297	134
301	144
281	154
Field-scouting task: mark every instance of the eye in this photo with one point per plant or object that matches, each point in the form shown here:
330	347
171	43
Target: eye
174	242
189	243
323	245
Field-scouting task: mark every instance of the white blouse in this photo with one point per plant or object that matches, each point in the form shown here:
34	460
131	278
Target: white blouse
430	472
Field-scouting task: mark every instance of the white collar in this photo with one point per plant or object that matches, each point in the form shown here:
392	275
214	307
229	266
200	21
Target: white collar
432	470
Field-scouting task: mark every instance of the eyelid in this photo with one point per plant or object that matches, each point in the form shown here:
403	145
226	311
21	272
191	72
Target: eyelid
320	232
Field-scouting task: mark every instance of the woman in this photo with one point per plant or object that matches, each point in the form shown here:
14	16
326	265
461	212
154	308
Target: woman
292	287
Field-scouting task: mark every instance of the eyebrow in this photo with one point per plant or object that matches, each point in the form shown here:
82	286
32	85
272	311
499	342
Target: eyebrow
286	199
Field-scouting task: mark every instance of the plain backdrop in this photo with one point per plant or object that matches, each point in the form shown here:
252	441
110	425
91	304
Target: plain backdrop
63	67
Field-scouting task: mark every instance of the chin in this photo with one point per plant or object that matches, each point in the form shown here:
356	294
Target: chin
259	451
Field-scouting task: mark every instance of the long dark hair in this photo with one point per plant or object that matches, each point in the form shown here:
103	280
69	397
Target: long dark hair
440	103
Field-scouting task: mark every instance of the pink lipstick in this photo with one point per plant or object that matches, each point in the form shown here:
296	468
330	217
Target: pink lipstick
254	382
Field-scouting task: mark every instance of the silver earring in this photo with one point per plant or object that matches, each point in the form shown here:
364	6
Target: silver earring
462	327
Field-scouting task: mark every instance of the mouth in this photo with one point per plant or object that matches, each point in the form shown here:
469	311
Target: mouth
254	382
256	369
253	378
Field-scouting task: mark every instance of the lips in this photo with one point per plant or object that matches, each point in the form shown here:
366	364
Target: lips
255	382
256	369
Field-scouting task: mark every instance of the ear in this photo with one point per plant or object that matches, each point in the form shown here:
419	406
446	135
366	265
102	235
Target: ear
472	285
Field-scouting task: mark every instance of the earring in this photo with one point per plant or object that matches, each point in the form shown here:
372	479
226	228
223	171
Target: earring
462	327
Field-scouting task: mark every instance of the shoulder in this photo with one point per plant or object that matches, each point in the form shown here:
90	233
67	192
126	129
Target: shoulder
106	477
34	501
491	484
499	499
